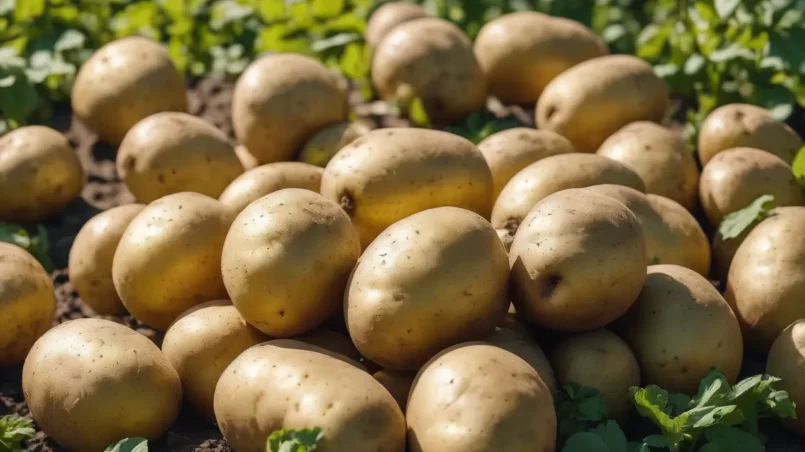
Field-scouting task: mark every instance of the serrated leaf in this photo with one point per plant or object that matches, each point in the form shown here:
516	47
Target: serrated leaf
14	430
714	389
612	435
129	445
708	416
736	222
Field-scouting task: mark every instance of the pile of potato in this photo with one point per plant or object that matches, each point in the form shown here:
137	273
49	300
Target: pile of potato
389	287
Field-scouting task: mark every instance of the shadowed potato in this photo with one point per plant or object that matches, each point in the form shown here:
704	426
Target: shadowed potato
266	179
787	361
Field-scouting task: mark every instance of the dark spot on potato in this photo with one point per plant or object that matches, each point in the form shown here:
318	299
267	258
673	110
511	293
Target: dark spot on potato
549	284
129	162
512	225
550	112
348	203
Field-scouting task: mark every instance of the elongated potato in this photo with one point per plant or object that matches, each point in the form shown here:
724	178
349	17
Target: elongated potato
266	179
388	16
524	346
322	146
787	361
592	100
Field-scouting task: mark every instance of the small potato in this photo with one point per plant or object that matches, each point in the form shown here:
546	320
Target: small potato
393	173
578	261
201	343
679	328
266	179
432	280
246	158
286	261
743	125
736	177
601	360
90	383
332	341
169	258
354	411
511	150
522	345
90	263
398	384
661	158
40	174
476	397
322	146
594	99
388	16
281	100
433	58
173	152
27	300
787	361
124	82
522	52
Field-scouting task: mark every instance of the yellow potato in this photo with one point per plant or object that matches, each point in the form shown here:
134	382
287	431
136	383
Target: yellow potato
266	179
521	344
388	16
787	361
246	158
398	384
322	146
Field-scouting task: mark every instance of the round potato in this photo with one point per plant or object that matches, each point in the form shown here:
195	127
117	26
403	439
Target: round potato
601	360
661	158
353	410
388	16
90	383
594	99
522	345
246	158
332	341
390	174
736	177
522	52
743	125
578	261
169	258
511	150
765	283
124	82
322	146
90	262
679	328
201	343
40	174
281	100
432	280
787	361
491	396
433	59
398	384
266	179
26	295
287	259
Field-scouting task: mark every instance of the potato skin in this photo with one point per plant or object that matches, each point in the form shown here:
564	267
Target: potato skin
40	174
492	396
388	16
124	82
281	100
201	343
246	158
786	360
322	146
266	179
736	177
169	258
393	173
398	384
744	125
120	385
578	261
679	328
592	100
91	256
522	52
26	295
432	280
353	410
522	345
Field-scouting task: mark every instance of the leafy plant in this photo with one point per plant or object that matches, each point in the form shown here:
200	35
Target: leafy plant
14	430
737	222
799	167
294	440
38	244
579	408
129	445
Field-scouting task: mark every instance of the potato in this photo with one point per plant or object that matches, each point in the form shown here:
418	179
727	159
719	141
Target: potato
322	146
594	99
523	51
432	280
266	179
522	345
90	261
332	341
553	174
39	174
201	343
173	152
169	258
388	16
743	125
578	261
390	174
511	150
787	361
679	328
286	261
246	158
660	156
26	295
354	411
432	59
736	177
124	82
765	283
398	384
476	397
90	383
601	360
281	100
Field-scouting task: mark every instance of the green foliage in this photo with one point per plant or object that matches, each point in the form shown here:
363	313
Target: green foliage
799	167
13	431
579	408
736	223
129	445
294	440
38	244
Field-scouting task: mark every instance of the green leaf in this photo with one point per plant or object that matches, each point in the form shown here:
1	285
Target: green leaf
651	403
579	408
69	40
418	114
713	390
37	245
731	52
129	445
586	442
736	223
694	64
726	8
328	8
612	435
14	430
6	7
733	439
294	440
